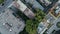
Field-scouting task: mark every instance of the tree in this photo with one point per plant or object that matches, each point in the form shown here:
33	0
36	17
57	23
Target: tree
31	26
1	1
39	15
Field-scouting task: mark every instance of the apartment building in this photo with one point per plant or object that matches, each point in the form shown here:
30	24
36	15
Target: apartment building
10	23
35	4
24	9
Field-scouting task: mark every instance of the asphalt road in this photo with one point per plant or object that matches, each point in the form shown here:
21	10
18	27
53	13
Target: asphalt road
49	7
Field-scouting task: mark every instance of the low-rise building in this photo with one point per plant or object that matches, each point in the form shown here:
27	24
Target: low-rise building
5	4
45	2
52	18
55	10
10	23
22	7
54	27
49	24
35	4
42	27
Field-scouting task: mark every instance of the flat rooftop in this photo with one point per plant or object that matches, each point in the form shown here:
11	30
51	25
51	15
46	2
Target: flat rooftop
9	24
24	9
18	4
35	4
5	4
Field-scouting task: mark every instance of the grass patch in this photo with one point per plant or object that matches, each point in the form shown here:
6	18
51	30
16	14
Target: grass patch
1	1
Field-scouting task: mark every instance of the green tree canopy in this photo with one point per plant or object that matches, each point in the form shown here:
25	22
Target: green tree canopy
1	1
